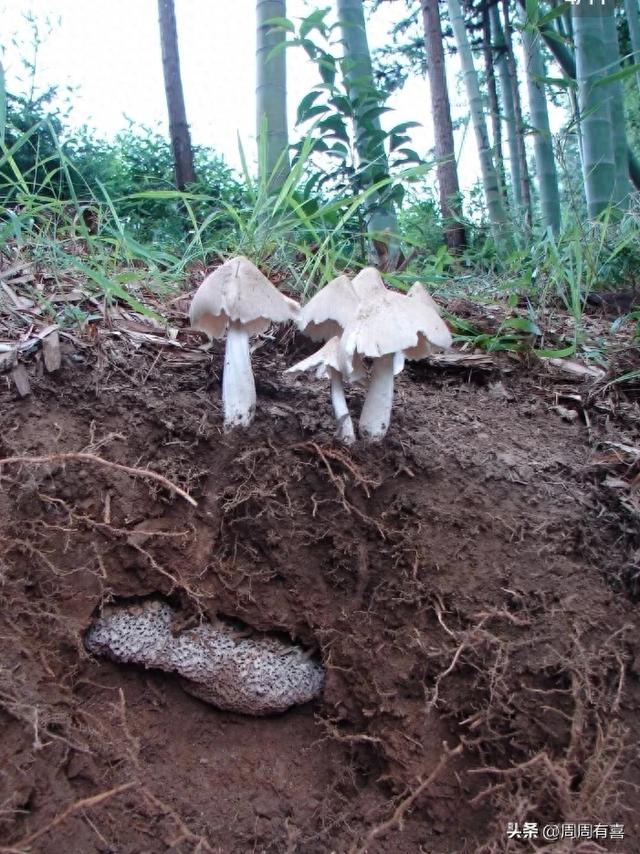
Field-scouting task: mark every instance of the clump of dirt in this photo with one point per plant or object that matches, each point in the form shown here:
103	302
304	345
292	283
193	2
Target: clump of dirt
466	585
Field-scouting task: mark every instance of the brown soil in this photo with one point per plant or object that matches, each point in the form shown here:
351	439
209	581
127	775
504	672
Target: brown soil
469	586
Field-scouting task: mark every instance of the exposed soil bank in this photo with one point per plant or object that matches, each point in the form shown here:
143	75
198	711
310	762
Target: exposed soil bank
468	583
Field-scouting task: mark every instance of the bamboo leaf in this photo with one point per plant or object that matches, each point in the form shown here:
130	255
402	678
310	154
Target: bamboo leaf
311	113
336	125
618	75
561	82
532	11
314	21
281	24
552	15
310	48
521	323
342	104
395	141
373	113
404	126
338	150
556	354
277	49
371	137
554	36
410	154
3	103
327	68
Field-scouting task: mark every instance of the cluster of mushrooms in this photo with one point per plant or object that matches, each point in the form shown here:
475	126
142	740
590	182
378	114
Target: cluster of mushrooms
357	319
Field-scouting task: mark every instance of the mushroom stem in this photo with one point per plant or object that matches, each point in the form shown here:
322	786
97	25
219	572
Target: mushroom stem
238	385
345	432
376	412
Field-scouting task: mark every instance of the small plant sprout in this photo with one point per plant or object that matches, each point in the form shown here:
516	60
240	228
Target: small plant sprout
239	300
388	328
326	363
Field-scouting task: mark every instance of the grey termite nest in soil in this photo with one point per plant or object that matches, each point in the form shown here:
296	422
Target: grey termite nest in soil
256	675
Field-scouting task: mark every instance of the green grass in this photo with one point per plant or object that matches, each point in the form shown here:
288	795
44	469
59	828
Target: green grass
305	240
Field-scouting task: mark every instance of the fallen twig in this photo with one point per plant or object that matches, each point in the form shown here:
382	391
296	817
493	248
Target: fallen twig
92	458
400	810
185	833
83	803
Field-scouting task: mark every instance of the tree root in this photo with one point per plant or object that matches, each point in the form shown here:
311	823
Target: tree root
83	804
401	809
94	460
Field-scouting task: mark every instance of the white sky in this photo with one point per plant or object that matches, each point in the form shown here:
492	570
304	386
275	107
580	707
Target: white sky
111	50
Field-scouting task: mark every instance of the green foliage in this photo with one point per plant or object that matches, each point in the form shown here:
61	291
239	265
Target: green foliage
136	172
127	182
516	334
34	151
3	103
133	175
632	104
582	260
313	235
107	214
328	112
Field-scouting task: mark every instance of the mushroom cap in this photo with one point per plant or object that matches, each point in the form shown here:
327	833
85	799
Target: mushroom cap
419	291
328	312
389	322
368	283
238	291
328	357
439	336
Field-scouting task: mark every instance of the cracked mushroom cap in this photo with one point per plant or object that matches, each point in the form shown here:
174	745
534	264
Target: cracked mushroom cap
329	311
238	291
328	357
389	322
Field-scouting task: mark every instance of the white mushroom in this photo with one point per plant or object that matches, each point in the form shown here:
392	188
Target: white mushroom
328	312
324	318
368	283
237	297
327	365
256	675
439	335
388	327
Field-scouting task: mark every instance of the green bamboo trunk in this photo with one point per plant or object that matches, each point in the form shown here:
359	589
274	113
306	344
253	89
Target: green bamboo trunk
382	224
598	156
525	185
271	94
567	63
494	107
539	121
633	22
497	215
508	111
615	97
3	104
